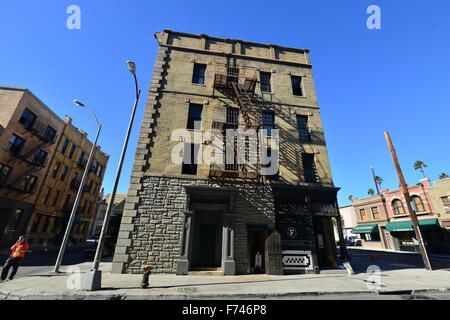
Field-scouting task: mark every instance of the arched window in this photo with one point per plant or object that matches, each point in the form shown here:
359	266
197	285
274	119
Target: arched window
397	207
419	203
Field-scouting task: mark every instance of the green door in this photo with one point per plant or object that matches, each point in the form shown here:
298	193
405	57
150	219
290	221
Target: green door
207	235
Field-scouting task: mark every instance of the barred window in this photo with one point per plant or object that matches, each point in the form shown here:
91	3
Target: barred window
268	122
302	128
265	82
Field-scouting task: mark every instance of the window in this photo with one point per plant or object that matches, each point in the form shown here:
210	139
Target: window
4	173
99	171
67	204
397	207
232	118
39	157
81	158
64	146
190	158
15	144
194	116
55	170
48	190
72	151
56	198
93	167
199	73
446	202
27	118
265	82
268	123
302	128
74	178
375	213
64	173
297	86
50	133
372	236
88	208
309	167
14	225
418	203
363	214
28	183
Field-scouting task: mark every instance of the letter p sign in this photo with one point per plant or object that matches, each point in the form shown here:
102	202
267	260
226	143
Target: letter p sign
74	20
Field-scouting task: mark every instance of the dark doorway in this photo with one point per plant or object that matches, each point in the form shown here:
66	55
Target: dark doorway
257	250
207	234
325	242
207	240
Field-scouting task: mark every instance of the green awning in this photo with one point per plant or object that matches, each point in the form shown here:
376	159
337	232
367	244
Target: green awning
425	224
365	228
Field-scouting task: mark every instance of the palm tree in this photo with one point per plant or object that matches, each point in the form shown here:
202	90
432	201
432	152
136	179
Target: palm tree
378	180
420	165
371	192
443	176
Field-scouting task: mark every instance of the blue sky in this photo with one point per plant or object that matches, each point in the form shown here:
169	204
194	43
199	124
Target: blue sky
367	81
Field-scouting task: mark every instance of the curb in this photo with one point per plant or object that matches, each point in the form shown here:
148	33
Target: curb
114	297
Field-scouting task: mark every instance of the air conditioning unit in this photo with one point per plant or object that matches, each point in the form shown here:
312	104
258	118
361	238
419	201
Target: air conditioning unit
447	209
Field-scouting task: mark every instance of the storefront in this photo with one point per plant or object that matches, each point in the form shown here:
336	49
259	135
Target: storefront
404	237
370	235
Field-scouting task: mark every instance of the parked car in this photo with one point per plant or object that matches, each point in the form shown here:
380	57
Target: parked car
108	248
352	241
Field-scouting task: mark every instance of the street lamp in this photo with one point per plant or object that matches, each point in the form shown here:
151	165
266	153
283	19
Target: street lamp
93	280
80	192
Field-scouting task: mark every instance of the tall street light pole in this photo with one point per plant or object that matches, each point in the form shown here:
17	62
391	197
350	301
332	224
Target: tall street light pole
93	280
79	194
412	213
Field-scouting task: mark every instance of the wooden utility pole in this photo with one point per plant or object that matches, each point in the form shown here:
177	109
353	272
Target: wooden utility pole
412	213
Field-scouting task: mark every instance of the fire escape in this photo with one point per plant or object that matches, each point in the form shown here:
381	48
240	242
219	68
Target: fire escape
237	83
34	158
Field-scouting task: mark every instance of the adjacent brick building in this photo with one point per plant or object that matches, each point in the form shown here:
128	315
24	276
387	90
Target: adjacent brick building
38	179
383	220
229	218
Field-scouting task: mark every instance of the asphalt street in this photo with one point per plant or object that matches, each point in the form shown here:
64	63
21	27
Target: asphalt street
362	259
40	261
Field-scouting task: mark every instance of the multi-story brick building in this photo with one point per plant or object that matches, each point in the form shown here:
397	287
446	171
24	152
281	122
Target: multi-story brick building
184	215
383	221
32	192
61	185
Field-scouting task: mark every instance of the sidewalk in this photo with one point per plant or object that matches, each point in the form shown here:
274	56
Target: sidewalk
48	286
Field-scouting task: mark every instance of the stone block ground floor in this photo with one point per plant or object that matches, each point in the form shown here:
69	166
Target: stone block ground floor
186	225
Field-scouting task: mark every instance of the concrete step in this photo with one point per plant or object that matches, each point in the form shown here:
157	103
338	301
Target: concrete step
206	272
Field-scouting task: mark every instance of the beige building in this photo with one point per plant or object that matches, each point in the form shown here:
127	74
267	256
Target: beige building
185	213
28	139
32	192
61	185
440	197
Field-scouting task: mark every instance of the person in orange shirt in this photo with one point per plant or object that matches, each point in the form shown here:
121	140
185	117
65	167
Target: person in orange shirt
18	253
